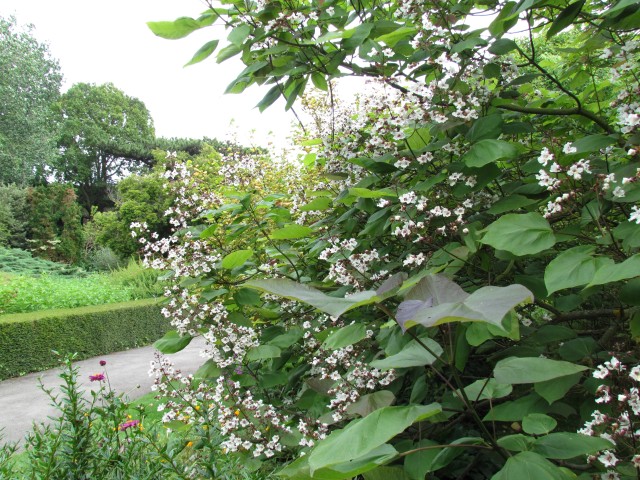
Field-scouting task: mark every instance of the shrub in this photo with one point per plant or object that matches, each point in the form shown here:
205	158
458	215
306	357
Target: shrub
13	216
102	259
17	261
55	223
27	340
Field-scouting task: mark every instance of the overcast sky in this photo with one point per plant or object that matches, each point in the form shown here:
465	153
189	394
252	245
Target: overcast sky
100	42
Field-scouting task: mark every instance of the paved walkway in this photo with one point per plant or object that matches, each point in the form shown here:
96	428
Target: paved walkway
22	402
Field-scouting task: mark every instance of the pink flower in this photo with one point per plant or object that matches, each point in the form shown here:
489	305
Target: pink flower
103	363
98	377
129	424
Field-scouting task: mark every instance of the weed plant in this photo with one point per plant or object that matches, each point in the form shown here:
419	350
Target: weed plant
101	435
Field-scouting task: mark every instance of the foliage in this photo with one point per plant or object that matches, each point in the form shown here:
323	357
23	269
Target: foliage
101	434
51	286
194	146
27	340
30	82
13	216
459	252
55	223
139	199
105	135
22	262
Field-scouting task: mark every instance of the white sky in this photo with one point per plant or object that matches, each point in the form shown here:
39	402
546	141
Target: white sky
100	42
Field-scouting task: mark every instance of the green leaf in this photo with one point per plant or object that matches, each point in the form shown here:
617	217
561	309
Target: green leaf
271	96
391	39
487	151
204	52
172	342
179	28
618	7
366	193
239	34
489	127
502	46
512	202
418	464
487	304
515	370
236	259
334	306
516	410
319	81
412	355
208	370
564	445
485	389
363	436
299	469
263	352
317	204
555	389
538	424
448	454
227	52
287	339
572	268
291	232
247	296
386	473
565	18
593	143
610	273
516	443
520	234
529	466
345	336
371	402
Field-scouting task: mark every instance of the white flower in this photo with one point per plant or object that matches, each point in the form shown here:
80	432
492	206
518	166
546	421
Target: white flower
545	157
635	214
608	459
569	148
619	192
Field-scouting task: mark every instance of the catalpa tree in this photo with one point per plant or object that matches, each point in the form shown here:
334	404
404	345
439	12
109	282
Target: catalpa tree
447	287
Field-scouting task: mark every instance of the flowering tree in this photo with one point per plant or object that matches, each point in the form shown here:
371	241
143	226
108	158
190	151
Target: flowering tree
427	294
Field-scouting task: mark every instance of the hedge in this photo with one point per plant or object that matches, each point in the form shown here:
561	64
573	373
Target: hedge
27	340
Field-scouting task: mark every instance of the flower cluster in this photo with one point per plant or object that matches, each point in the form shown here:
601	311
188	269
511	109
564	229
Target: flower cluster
618	423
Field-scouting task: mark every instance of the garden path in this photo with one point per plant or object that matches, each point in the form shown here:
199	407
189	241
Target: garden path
22	402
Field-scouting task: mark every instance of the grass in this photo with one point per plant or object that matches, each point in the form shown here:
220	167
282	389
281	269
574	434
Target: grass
29	284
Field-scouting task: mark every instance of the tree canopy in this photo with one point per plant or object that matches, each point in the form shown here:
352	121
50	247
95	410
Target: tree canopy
105	135
30	82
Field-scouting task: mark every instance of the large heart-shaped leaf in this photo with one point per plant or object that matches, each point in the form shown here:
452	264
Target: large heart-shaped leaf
571	268
487	304
334	306
516	370
524	234
363	436
487	151
413	354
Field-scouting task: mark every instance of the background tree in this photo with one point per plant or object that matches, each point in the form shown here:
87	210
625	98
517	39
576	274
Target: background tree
106	135
29	84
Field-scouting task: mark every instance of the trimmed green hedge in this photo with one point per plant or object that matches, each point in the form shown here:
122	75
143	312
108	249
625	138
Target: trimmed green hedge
27	339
